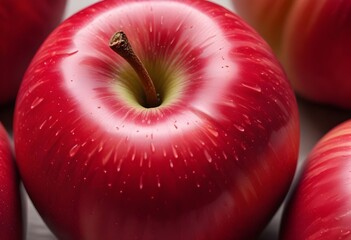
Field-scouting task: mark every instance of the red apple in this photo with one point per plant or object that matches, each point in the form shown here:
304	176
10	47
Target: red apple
312	40
11	223
211	158
320	207
24	25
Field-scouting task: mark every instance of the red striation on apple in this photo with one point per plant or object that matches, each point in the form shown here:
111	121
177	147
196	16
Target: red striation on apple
213	160
11	221
320	206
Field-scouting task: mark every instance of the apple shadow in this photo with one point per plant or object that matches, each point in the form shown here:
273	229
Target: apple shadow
6	116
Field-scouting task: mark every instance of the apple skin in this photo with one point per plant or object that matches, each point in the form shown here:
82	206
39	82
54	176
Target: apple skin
11	223
213	161
311	39
24	26
320	205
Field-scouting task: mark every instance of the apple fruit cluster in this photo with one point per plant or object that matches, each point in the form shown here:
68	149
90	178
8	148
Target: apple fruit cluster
156	120
311	39
174	119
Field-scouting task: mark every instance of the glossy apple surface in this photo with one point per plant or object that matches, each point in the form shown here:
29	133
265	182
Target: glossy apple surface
213	161
312	40
24	25
320	207
11	223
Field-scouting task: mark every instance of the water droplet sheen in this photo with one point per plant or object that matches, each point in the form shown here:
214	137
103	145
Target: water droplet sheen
208	156
36	102
74	150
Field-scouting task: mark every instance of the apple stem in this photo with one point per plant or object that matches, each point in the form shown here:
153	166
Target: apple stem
119	43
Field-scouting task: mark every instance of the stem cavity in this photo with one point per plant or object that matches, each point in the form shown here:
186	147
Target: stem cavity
119	43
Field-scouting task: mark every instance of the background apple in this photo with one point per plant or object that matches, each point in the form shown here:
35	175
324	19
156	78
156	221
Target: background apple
24	25
320	206
214	160
11	223
312	40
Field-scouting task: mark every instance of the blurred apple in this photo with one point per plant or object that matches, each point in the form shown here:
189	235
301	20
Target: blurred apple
24	24
11	221
312	40
320	206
